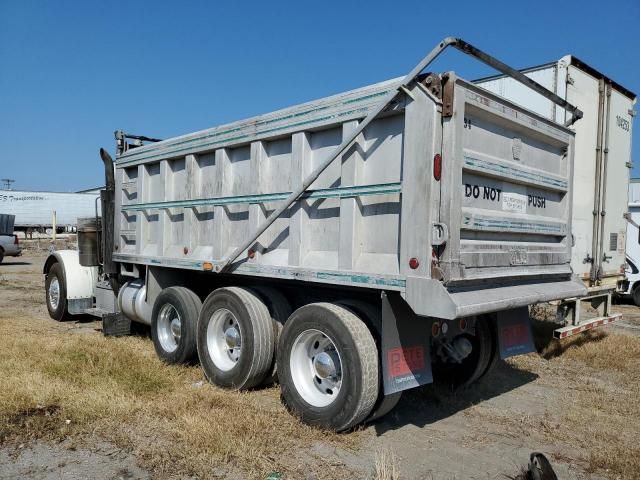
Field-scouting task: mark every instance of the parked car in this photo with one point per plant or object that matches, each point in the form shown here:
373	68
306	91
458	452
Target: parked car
9	246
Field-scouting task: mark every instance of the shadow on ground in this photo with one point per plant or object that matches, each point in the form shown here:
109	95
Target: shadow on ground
94	323
14	263
549	347
431	403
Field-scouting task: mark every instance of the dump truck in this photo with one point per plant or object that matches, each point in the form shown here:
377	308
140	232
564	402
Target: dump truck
352	247
600	182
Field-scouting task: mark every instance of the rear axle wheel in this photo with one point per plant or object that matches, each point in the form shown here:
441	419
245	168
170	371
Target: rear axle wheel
235	338
328	366
465	358
173	324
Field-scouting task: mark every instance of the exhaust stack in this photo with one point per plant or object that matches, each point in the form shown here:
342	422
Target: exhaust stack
107	197
110	180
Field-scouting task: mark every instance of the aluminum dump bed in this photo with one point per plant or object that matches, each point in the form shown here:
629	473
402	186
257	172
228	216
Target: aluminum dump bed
453	196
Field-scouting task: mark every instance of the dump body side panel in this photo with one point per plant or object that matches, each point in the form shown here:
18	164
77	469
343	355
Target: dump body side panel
183	210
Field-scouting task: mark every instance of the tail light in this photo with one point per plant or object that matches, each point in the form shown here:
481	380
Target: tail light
15	240
437	166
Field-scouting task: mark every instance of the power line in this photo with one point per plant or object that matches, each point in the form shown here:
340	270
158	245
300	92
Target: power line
7	183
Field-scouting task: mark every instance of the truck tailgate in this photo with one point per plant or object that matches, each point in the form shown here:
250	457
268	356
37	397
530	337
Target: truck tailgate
506	190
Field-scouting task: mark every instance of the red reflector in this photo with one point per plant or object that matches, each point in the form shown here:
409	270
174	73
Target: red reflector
251	253
437	166
15	240
435	329
414	263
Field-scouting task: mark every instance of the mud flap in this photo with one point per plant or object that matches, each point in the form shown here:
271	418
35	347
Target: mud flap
406	359
515	336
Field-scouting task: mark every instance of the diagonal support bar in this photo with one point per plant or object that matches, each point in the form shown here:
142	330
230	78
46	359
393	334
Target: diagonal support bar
467	48
461	45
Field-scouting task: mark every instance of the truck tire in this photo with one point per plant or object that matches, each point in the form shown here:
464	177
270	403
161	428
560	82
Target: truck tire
173	324
495	349
235	338
636	295
385	403
474	366
55	288
280	310
318	343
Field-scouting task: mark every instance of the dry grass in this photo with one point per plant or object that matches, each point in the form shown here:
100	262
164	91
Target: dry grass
57	386
386	466
599	376
617	352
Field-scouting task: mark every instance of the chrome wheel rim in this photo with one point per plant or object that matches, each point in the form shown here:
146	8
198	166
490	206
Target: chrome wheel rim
224	339
169	328
316	368
54	293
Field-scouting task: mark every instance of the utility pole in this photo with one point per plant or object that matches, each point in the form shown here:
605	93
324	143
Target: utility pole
7	183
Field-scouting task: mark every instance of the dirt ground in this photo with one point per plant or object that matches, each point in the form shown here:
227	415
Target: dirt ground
77	405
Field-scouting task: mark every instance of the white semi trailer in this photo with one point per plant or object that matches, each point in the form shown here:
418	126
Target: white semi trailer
354	246
40	211
601	175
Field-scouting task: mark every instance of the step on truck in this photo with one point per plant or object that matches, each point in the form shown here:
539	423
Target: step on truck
351	248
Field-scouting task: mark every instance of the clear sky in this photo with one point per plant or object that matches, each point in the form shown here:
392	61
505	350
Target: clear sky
71	72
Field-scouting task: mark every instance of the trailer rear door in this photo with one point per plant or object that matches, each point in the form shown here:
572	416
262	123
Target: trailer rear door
616	161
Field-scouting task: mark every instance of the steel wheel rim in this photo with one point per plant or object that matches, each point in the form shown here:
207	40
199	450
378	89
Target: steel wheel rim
224	339
169	328
54	293
316	368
